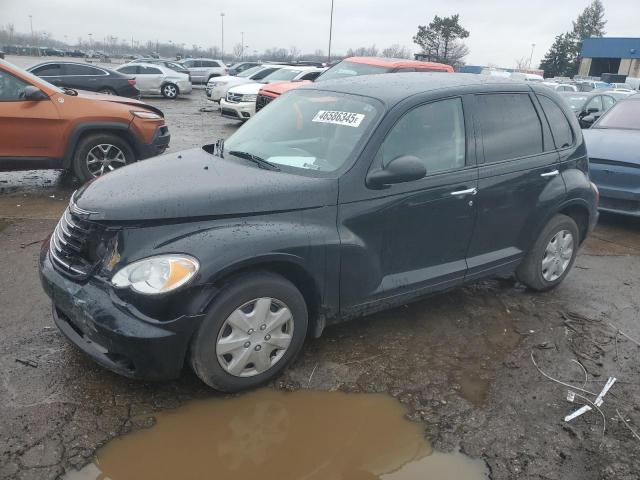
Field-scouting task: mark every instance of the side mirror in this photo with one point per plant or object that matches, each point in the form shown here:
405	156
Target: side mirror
587	121
34	93
401	169
593	110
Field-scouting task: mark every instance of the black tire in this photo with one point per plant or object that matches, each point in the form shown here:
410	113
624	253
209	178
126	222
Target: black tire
530	271
107	91
237	292
88	143
170	91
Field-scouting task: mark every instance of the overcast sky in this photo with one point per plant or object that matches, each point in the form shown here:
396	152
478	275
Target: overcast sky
501	30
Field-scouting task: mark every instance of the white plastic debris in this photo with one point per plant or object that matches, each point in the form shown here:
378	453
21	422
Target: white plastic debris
597	402
571	396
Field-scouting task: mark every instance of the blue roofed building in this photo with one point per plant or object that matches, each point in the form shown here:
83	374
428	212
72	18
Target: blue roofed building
610	55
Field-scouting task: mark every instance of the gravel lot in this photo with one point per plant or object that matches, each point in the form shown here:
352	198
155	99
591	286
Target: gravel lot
459	361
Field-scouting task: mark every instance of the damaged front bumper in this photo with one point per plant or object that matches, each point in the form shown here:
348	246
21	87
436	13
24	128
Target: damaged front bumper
114	333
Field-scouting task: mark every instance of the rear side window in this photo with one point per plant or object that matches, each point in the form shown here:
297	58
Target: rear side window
433	132
73	69
51	70
560	127
209	63
129	69
149	71
510	126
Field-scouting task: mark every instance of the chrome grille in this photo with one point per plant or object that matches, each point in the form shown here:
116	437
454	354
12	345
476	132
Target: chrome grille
234	97
69	245
262	101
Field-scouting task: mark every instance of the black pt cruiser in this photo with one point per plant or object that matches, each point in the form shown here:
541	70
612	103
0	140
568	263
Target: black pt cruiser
335	201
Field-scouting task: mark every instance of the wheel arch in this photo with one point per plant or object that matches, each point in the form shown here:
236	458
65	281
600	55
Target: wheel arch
289	267
579	213
79	132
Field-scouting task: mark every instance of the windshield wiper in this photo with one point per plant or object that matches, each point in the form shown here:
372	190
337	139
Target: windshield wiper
261	162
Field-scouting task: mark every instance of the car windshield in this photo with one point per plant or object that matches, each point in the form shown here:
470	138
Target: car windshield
576	101
249	71
624	115
282	75
351	69
307	130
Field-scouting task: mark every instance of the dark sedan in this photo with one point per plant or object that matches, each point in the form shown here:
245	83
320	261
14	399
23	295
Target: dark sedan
613	144
588	106
87	77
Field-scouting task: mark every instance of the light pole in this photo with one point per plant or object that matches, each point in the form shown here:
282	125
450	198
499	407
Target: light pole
330	33
533	46
222	22
242	51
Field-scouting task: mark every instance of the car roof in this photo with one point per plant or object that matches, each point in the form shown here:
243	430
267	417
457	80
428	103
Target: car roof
393	87
581	94
391	62
301	68
202	58
162	68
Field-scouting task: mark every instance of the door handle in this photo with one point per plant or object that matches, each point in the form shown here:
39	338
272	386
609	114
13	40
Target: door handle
552	173
468	191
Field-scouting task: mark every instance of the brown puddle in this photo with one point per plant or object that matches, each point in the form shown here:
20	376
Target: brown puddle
269	434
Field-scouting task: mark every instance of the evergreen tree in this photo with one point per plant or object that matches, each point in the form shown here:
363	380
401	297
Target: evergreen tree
440	40
590	23
558	60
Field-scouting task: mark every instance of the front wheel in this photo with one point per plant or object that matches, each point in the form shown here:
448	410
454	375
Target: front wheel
552	255
253	330
100	153
169	90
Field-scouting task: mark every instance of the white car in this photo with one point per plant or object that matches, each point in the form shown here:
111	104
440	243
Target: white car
217	87
157	79
560	87
240	101
203	69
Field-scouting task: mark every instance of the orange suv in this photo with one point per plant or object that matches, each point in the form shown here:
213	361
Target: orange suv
350	67
44	126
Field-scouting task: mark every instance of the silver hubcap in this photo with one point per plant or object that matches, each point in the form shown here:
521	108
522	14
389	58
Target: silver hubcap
104	158
254	337
170	91
557	255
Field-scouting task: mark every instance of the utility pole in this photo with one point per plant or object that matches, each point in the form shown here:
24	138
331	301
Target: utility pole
222	21
242	51
533	46
330	33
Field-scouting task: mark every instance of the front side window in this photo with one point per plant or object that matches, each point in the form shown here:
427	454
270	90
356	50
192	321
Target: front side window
11	88
510	126
50	70
607	102
595	102
306	131
560	127
352	69
433	132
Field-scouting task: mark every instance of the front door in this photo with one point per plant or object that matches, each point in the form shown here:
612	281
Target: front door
29	129
518	177
412	238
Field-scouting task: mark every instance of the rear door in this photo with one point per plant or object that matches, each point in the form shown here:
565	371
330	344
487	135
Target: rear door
518	179
83	77
30	130
152	78
412	238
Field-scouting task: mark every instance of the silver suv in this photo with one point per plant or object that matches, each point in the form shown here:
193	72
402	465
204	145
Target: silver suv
203	69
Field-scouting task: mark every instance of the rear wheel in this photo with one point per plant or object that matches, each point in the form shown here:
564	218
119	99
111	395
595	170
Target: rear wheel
107	91
100	153
170	90
251	333
552	255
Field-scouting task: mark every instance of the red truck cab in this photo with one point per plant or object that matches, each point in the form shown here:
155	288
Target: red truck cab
352	66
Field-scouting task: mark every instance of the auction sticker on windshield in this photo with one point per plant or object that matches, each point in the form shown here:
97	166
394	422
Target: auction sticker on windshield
339	118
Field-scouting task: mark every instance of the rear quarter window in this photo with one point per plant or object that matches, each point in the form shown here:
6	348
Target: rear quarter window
560	126
510	126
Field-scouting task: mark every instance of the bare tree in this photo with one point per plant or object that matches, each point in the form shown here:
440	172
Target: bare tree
522	63
238	50
294	52
396	51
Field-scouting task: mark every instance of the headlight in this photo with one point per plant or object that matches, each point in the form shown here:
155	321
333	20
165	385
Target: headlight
156	275
249	98
146	114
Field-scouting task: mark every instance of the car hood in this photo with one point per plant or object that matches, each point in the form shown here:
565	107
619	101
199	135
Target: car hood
613	144
228	79
115	99
194	183
247	88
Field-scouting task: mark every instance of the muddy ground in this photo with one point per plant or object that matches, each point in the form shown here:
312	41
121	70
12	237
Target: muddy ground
459	361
